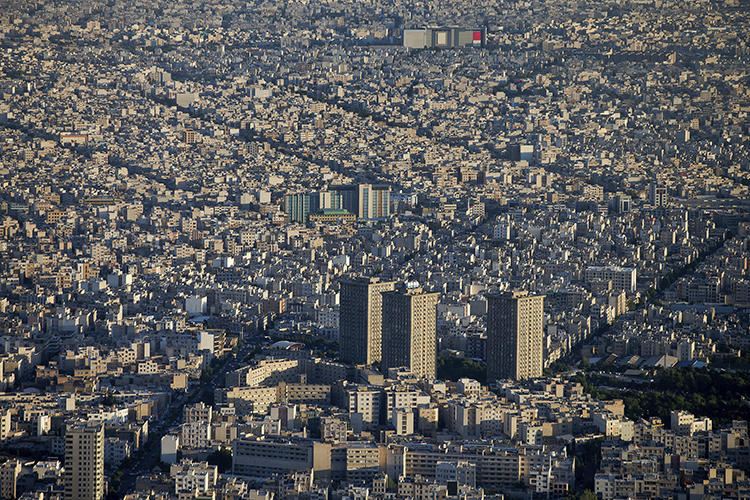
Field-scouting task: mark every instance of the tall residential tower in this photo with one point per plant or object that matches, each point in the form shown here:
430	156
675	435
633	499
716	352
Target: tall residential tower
84	462
409	330
360	321
514	336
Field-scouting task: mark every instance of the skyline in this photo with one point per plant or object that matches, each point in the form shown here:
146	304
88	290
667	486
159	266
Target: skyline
328	250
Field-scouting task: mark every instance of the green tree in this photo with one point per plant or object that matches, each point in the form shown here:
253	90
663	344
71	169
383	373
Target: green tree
207	375
582	495
452	368
704	392
114	485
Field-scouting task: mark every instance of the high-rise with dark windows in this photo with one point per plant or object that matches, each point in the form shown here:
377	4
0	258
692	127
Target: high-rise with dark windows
409	330
360	319
515	323
84	462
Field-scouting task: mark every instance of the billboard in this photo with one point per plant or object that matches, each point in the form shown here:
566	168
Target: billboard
453	37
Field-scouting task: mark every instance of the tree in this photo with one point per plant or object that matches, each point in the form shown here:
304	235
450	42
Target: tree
114	485
450	368
704	392
582	495
207	375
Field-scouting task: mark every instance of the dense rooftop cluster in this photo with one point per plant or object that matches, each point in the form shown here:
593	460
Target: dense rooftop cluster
185	187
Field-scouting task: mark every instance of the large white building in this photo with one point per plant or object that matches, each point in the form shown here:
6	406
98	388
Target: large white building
363	404
403	397
196	305
622	278
683	422
198	412
195	434
261	457
193	478
115	451
170	443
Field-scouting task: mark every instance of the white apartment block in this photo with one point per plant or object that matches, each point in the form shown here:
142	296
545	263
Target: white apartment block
195	435
622	278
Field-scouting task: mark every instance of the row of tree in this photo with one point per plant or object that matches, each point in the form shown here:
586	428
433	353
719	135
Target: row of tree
711	393
453	368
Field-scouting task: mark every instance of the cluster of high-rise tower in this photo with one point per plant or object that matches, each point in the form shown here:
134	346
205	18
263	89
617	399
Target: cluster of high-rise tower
395	325
363	201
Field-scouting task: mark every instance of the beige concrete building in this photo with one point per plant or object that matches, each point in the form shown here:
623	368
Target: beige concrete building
261	457
409	331
360	322
198	412
514	336
363	404
9	473
84	462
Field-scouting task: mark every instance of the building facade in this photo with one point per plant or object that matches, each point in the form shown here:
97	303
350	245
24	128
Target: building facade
657	195
374	201
622	278
360	321
409	331
514	336
299	206
84	462
9	473
453	37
